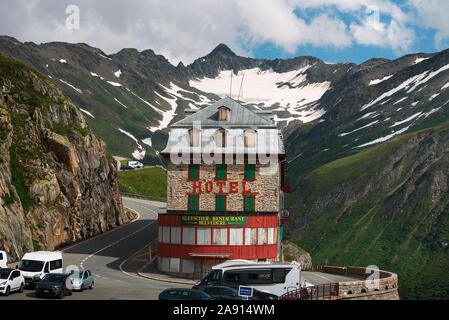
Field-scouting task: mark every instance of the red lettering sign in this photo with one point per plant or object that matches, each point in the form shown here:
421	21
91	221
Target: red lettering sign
244	188
196	187
221	184
234	187
209	186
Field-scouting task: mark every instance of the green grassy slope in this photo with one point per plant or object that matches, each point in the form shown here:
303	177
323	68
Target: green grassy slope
147	182
387	206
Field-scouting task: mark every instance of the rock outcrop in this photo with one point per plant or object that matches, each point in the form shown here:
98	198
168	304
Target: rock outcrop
57	184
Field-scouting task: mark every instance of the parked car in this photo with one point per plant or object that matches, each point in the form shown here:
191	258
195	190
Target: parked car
11	280
221	292
81	279
3	260
126	168
135	164
35	265
261	295
183	294
54	285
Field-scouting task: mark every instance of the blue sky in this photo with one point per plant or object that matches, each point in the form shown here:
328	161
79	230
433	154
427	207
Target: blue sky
332	30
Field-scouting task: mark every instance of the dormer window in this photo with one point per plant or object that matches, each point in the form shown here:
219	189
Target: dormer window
223	114
250	138
221	138
194	138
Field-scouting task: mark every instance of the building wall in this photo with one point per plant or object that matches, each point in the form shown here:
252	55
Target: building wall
266	186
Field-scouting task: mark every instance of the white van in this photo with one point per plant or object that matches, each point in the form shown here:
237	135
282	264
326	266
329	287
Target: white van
3	260
275	278
135	164
35	265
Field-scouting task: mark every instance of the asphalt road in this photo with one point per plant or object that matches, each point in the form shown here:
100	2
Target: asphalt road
105	254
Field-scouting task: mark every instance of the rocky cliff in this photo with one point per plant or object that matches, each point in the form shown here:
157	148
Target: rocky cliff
57	184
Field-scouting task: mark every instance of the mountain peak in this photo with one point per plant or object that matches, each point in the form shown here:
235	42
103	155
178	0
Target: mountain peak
223	49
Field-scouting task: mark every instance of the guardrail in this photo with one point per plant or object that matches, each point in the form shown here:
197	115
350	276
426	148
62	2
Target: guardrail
318	292
313	268
138	196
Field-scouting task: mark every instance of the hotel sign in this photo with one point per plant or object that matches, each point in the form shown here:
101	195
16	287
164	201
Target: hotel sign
213	221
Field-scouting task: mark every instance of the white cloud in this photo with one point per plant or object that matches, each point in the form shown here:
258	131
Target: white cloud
186	30
433	14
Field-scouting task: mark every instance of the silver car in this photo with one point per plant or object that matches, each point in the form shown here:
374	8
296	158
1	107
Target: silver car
81	279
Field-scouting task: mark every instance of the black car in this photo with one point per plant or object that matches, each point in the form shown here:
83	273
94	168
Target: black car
221	292
54	285
126	168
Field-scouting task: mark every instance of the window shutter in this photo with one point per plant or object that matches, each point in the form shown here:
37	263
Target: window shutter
194	171
220	203
194	202
250	171
221	171
249	203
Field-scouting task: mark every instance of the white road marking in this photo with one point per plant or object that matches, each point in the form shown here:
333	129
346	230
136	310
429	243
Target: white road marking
118	241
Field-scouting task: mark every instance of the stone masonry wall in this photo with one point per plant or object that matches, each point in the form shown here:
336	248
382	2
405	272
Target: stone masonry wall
267	187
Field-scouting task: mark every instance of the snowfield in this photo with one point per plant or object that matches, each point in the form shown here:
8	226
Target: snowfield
290	91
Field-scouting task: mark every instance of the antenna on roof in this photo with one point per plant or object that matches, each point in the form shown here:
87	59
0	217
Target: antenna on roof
241	87
230	89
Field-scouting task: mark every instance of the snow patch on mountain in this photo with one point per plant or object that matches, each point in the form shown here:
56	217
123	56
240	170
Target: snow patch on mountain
115	84
377	81
419	60
118	73
383	139
88	113
361	128
71	86
406	120
138	153
116	100
290	91
167	116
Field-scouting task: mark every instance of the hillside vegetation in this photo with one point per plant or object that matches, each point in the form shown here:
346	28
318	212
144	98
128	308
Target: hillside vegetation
384	206
149	181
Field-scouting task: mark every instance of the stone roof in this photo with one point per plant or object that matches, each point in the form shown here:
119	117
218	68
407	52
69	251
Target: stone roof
239	116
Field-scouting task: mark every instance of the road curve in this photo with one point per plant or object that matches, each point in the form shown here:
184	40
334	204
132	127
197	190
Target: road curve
104	255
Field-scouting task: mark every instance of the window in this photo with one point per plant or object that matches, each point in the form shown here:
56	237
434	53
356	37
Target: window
56	264
214	277
188	235
221	138
194	138
221	171
272	236
250	139
249	203
235	236
220	203
220	236
223	114
259	277
233	277
262	236
203	236
165	234
176	235
250	236
250	171
194	202
194	171
279	275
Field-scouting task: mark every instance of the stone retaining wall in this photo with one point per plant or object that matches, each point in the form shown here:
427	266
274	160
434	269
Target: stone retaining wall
373	285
